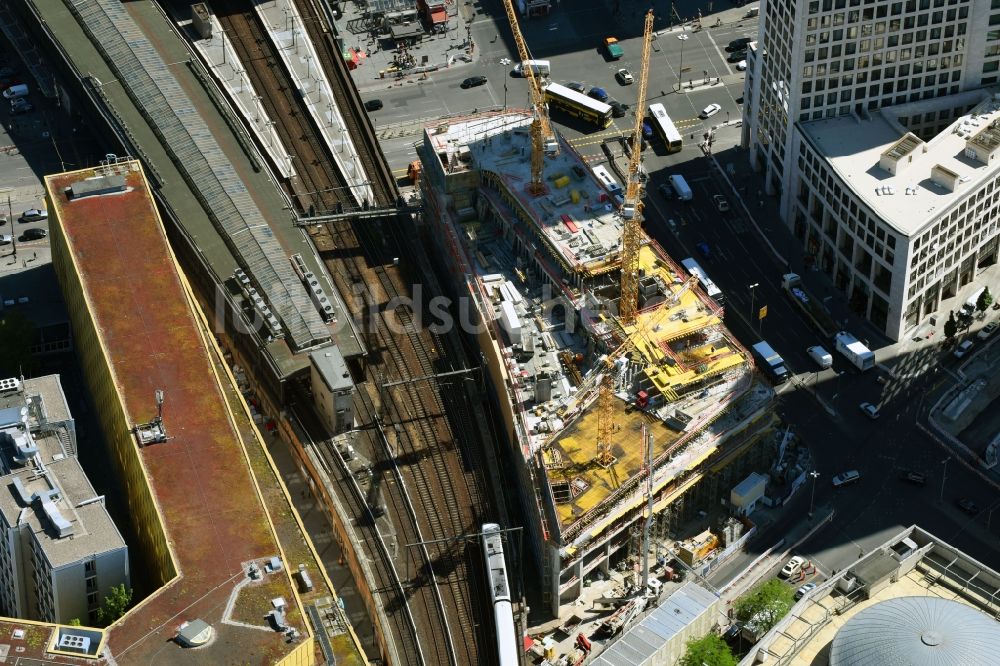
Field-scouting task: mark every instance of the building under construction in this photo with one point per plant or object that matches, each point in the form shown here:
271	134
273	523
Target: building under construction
575	385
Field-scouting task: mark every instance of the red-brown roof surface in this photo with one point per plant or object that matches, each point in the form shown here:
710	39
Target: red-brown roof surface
211	511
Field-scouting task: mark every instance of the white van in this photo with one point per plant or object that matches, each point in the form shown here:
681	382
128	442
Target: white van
538	67
822	357
16	91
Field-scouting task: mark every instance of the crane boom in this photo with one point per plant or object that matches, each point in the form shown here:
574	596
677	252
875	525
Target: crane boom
631	209
543	139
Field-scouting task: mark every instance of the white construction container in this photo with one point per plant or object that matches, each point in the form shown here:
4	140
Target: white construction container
510	321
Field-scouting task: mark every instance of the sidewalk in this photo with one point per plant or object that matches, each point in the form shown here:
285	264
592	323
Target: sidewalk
377	67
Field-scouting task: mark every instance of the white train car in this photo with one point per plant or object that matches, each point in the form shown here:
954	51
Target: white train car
496	574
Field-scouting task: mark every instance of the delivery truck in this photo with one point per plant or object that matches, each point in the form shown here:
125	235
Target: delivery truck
813	309
613	48
681	187
770	362
854	351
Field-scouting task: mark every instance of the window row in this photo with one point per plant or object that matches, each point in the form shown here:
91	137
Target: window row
863	22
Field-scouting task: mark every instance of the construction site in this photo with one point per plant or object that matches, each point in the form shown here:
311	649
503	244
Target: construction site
623	395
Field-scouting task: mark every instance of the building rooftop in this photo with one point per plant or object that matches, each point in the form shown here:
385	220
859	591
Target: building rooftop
642	641
576	217
891	624
329	362
906	181
549	325
206	497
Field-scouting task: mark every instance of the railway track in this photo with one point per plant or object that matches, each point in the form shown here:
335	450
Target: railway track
318	184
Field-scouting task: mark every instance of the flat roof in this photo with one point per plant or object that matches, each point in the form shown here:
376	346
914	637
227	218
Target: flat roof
206	495
500	143
329	362
910	199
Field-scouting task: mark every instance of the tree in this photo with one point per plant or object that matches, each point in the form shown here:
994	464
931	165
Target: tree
985	300
707	651
765	604
75	622
115	604
950	326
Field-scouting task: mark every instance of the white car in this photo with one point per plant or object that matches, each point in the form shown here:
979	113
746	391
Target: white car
625	77
793	566
721	204
963	349
804	590
742	65
845	478
709	111
869	410
988	330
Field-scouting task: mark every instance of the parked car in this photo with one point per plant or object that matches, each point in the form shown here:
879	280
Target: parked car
474	81
624	77
598	93
34	215
20	105
967	505
721	204
804	590
709	111
793	566
6	239
665	191
988	330
617	108
3	219
869	410
35	233
846	478
742	65
737	56
373	105
704	249
963	348
577	86
916	478
739	44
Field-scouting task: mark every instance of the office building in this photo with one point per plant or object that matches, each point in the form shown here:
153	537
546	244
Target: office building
820	60
60	553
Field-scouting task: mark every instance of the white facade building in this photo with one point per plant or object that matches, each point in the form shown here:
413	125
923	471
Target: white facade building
333	388
820	60
60	552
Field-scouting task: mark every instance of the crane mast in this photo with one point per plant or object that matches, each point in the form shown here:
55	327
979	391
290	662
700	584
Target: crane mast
631	209
543	138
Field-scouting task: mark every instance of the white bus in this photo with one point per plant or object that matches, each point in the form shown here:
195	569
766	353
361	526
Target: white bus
578	105
665	129
692	267
605	178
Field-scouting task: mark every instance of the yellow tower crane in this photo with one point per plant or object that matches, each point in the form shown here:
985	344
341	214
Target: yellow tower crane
543	139
631	209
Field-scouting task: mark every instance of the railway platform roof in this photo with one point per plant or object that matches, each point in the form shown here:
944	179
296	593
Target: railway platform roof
218	499
170	186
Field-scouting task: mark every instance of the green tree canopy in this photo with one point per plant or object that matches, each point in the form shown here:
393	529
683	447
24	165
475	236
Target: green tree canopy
707	651
115	604
765	604
950	326
985	300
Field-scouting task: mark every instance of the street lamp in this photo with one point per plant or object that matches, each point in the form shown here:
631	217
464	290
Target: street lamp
753	292
812	497
944	475
683	37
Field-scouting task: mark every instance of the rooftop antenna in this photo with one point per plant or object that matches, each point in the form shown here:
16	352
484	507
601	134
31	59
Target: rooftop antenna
153	432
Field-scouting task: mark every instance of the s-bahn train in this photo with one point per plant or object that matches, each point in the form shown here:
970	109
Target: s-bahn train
496	573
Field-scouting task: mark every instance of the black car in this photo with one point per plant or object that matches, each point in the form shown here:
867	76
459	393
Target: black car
916	478
373	105
474	81
739	44
737	56
36	233
666	191
967	505
577	86
617	108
